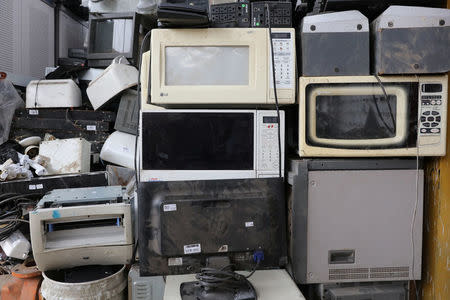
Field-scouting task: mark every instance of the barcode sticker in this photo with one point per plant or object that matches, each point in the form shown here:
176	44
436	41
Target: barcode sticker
91	127
32	187
249	224
170	207
175	261
33	112
39	186
191	249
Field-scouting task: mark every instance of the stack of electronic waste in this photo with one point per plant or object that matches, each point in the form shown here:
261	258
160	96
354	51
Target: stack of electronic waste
228	150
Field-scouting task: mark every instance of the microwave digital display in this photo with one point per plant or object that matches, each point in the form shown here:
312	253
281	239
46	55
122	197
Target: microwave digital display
203	65
355	117
198	141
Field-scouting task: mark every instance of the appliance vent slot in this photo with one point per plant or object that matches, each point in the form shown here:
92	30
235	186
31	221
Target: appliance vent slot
7	32
389	272
142	291
350	273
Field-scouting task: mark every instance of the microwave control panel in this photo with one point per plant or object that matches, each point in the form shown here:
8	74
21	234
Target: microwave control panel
267	146
283	52
431	106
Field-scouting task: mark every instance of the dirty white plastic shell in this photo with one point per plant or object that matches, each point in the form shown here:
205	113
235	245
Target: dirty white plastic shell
67	156
16	245
115	79
119	149
53	93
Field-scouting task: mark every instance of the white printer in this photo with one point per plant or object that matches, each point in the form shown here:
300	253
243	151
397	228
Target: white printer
83	226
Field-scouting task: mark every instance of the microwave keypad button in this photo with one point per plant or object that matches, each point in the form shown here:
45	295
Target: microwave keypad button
423	130
433	102
426	124
423	119
438	119
434	124
427	113
434	113
435	130
430	119
439	102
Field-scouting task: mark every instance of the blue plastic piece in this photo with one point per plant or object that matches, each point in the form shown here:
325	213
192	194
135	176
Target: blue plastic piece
258	256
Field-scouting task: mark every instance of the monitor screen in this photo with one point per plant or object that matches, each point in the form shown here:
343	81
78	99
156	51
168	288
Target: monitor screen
112	35
197	141
184	224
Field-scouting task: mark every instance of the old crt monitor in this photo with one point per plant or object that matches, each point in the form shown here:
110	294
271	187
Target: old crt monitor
112	35
185	226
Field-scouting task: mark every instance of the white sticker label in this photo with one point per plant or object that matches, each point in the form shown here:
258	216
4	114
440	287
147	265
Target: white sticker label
223	248
191	249
249	224
170	207
33	112
39	186
91	127
32	187
175	261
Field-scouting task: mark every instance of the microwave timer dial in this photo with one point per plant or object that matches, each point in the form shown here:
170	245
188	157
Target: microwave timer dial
431	109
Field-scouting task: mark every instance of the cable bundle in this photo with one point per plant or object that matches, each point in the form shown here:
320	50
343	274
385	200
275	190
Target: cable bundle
11	213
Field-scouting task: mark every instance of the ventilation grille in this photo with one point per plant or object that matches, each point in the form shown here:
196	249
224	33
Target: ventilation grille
142	291
342	274
366	273
6	35
389	272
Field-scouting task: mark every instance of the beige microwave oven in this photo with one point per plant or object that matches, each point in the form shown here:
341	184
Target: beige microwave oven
218	66
364	116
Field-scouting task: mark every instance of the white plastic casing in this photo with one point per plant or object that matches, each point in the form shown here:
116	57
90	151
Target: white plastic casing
67	156
53	93
119	149
16	245
115	79
90	245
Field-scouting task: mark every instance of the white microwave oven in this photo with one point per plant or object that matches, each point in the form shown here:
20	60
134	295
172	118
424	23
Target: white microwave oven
359	116
219	66
201	144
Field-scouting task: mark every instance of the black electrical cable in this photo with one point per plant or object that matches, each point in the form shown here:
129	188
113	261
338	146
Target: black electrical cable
136	170
275	91
11	213
387	101
224	278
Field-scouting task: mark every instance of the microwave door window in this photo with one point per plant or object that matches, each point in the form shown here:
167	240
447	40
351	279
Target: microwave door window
113	36
356	117
197	65
198	141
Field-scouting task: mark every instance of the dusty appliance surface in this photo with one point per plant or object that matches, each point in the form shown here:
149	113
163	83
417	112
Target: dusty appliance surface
350	220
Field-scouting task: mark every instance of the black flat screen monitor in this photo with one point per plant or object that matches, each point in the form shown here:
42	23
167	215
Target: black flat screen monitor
184	225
